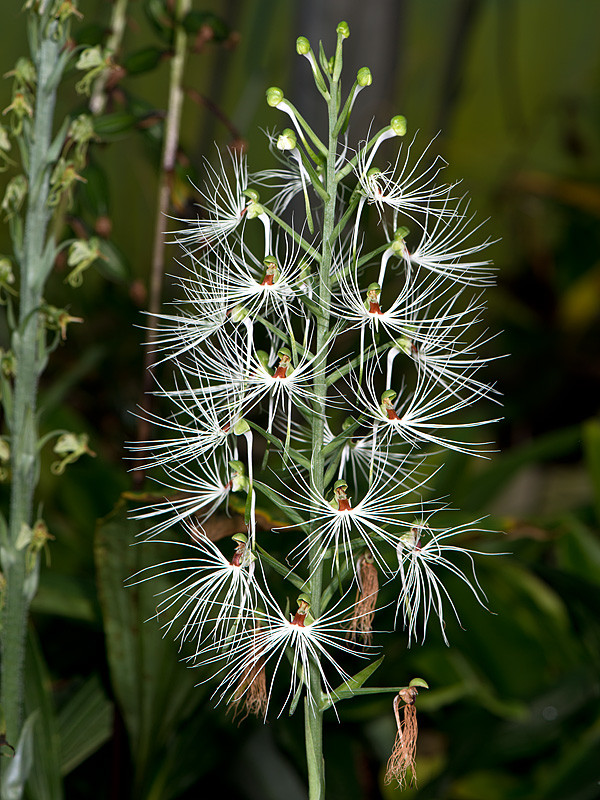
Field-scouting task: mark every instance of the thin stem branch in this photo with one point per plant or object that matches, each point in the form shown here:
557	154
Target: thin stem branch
168	160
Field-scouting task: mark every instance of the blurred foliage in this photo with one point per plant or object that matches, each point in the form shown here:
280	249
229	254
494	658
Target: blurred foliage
514	705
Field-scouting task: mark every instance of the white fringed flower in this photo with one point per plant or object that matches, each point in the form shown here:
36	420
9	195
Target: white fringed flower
214	599
421	551
224	201
308	642
199	488
418	416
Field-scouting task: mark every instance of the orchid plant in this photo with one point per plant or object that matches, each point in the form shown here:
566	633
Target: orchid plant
336	367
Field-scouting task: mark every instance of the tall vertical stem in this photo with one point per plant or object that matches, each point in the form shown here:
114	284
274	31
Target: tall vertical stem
169	155
312	711
35	261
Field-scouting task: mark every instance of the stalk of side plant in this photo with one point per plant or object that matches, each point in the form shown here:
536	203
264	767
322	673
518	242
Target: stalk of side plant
35	261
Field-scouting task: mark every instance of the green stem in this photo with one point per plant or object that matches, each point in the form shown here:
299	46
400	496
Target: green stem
28	346
118	21
312	709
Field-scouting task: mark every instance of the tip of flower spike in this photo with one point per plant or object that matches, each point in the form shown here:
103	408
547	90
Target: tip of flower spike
302	46
364	77
287	140
274	96
398	125
343	30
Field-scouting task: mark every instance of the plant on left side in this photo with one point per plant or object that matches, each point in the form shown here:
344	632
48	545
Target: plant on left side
51	156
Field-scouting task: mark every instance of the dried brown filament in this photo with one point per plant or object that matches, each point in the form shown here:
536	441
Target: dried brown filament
361	623
401	764
250	696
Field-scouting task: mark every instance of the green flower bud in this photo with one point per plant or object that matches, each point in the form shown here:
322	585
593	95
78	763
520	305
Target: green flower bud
340	484
284	353
401	233
252	194
373	171
419	682
373	287
270	261
364	77
240	537
254	210
389	394
302	46
304	598
287	140
347	423
239	313
263	358
274	96
343	30
241	427
398	125
236	466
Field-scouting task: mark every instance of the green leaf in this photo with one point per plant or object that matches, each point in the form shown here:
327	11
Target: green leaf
281	569
44	781
155	691
16	771
591	445
84	723
353	686
276	442
278	501
144	60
